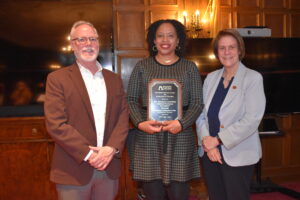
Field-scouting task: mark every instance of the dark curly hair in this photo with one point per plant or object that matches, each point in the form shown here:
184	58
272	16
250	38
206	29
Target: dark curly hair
180	31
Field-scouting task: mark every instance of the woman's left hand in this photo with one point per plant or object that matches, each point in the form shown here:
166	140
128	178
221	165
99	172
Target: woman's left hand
209	142
172	126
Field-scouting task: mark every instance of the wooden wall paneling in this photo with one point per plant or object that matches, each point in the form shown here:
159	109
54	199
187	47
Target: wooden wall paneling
289	166
158	14
225	19
277	23
247	3
123	186
295	148
295	25
295	141
225	2
272	151
295	4
25	156
163	2
282	16
247	19
130	30
28	131
129	2
285	125
126	64
25	163
274	3
131	185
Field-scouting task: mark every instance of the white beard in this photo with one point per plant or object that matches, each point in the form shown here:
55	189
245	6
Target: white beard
88	58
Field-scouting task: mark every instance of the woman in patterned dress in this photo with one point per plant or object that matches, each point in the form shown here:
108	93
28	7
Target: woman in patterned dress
164	156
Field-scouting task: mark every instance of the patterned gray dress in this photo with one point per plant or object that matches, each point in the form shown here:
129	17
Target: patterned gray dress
165	156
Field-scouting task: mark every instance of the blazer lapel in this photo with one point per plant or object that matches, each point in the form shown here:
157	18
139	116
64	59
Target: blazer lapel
211	90
236	85
77	79
109	91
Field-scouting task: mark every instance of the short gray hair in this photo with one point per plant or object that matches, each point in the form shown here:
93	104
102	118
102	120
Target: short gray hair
233	33
79	23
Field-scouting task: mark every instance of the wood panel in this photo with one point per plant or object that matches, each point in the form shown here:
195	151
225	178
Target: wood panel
131	186
225	20
247	3
131	30
126	64
295	140
247	19
129	2
163	14
25	173
295	4
295	25
163	2
25	156
268	14
272	145
23	130
274	3
225	2
280	160
277	23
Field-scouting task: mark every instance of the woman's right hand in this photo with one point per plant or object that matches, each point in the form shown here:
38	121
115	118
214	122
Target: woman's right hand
150	126
214	155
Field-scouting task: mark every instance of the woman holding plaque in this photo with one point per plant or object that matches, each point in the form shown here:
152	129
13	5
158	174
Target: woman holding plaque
164	152
227	129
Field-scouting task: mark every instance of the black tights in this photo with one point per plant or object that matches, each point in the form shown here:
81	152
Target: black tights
155	190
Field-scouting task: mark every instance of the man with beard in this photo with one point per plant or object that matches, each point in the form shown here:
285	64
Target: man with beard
87	117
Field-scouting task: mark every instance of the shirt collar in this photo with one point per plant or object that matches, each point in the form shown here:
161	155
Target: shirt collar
81	67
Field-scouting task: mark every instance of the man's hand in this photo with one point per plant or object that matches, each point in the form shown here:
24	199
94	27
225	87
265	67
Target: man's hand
214	155
150	126
101	157
172	126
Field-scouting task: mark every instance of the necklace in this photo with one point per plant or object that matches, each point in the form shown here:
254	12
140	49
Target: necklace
166	61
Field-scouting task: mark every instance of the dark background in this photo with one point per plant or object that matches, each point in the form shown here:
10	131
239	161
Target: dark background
33	34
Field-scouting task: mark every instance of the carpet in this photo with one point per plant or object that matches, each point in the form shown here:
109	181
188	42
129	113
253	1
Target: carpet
277	195
267	195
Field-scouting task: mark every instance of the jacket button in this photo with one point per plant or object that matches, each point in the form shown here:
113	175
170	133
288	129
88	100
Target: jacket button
222	126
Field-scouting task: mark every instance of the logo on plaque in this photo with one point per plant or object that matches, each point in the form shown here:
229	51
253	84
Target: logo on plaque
164	100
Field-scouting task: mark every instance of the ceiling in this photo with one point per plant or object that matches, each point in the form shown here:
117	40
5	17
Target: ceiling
46	24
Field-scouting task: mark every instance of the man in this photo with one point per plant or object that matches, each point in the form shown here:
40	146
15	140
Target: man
87	117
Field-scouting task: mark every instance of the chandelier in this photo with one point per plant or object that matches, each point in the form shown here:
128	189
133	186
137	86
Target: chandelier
199	23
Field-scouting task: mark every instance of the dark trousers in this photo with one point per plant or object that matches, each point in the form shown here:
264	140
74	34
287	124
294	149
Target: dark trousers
156	190
225	182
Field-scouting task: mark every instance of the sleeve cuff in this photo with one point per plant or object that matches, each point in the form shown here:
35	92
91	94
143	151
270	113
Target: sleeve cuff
88	155
180	122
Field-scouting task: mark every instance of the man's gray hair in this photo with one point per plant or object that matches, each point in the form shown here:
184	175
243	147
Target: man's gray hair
79	23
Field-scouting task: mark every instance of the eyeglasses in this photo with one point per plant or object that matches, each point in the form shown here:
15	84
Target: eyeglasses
83	40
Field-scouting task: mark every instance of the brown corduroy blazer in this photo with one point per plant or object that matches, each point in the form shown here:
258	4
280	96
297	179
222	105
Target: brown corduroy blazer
70	122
